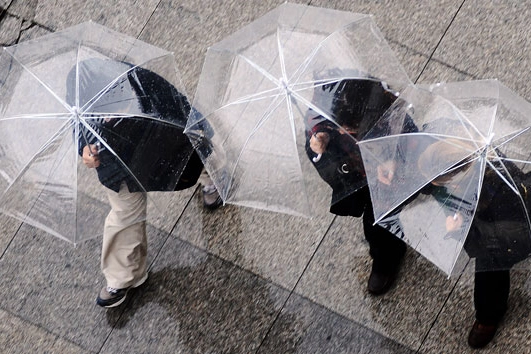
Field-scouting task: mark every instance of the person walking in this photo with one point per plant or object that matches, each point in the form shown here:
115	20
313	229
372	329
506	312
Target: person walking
145	157
498	237
354	105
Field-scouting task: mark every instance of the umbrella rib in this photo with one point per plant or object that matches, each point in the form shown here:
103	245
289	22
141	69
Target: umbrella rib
41	82
255	97
511	136
63	128
509	184
493	118
205	117
306	62
241	100
77	74
401	201
111	115
442	136
314	107
261	122
281	56
501	158
100	94
38	116
111	150
261	70
103	91
318	83
466	120
291	116
24	218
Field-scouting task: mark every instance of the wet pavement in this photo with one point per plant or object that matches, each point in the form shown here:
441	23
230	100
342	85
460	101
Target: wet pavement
238	280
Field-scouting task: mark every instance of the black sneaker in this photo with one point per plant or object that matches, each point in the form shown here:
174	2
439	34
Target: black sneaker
381	281
211	197
112	297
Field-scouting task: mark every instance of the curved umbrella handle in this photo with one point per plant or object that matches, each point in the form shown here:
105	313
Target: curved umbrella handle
317	158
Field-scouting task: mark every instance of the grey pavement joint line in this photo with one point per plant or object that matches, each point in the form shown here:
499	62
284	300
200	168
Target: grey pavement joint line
46	330
430	58
147	21
440	40
436	318
295	285
432	325
10	241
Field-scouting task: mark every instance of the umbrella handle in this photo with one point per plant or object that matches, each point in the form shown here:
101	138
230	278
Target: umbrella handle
317	158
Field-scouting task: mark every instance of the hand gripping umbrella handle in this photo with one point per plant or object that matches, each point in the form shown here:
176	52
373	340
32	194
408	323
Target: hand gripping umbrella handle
317	158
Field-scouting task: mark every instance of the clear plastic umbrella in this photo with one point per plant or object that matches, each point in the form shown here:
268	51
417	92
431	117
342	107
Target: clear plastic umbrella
261	89
86	85
448	170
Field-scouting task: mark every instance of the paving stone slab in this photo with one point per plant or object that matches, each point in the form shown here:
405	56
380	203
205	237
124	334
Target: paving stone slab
122	15
412	28
56	284
450	331
18	336
337	279
272	245
189	28
490	40
194	302
319	330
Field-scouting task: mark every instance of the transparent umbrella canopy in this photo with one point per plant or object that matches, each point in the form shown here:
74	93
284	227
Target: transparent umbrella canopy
85	84
448	170
256	89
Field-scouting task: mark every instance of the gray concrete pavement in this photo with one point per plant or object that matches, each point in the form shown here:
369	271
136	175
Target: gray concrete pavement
238	280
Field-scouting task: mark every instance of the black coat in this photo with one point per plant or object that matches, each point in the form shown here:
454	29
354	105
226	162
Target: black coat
358	104
146	152
499	235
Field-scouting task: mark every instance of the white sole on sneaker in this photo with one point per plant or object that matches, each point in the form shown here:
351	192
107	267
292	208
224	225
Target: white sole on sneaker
135	285
117	303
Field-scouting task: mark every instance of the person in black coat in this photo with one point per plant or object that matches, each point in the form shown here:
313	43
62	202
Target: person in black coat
139	147
499	235
354	106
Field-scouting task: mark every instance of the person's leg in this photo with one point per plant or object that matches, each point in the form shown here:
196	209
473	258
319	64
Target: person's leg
491	293
124	249
386	250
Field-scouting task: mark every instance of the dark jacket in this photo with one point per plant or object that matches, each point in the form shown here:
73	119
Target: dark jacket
147	153
358	104
499	234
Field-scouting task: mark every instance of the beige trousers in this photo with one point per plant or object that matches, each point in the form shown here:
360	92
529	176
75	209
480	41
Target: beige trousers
124	250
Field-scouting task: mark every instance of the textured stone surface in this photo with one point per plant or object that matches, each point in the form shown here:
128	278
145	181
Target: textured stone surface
20	336
196	303
315	329
220	281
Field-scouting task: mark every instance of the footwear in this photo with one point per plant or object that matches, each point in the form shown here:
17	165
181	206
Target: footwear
480	335
211	197
112	297
380	282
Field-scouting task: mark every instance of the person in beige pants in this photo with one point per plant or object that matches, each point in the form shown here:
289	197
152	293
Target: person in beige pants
132	155
124	247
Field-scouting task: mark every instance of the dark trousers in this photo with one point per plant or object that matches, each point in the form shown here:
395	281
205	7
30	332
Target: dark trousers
386	249
491	292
